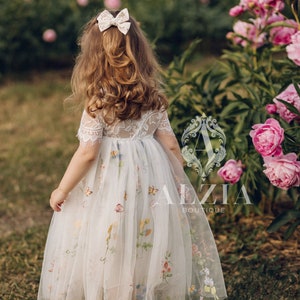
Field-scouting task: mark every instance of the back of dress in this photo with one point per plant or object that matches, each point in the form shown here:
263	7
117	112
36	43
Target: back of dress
128	232
94	129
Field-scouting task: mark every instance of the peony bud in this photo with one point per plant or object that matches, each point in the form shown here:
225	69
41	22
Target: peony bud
231	171
82	2
236	11
271	108
112	4
49	35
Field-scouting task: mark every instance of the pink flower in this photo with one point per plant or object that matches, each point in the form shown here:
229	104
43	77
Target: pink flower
283	171
231	171
112	4
271	108
275	18
248	33
267	137
83	2
273	5
249	4
236	11
194	248
293	50
281	35
119	208
49	35
262	7
291	96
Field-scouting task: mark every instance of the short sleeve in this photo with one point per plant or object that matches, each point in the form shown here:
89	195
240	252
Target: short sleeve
164	125
90	129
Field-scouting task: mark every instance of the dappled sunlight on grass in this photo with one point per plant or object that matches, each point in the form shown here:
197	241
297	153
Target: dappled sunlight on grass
33	151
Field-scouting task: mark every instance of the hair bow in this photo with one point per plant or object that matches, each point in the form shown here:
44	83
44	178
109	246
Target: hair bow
106	20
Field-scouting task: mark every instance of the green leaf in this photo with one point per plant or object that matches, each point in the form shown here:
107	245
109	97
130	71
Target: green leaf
287	234
296	87
238	208
297	205
283	219
234	105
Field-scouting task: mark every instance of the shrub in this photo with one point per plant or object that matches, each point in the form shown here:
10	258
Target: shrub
170	24
173	24
23	23
256	71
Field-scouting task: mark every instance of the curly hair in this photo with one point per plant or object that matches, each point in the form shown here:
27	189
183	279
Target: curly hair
117	73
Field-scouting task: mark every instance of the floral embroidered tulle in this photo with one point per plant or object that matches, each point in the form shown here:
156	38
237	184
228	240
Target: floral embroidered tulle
133	228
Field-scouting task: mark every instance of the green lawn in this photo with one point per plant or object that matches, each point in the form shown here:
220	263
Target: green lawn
37	140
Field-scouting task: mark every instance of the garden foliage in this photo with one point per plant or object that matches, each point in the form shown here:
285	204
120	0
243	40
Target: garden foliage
170	24
22	24
173	24
254	85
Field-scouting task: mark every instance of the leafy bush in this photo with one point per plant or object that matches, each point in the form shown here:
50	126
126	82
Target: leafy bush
23	23
173	24
236	90
170	24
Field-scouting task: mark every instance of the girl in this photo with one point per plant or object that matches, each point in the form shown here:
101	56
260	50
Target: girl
127	223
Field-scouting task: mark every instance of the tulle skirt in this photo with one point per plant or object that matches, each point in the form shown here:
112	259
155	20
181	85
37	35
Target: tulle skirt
133	228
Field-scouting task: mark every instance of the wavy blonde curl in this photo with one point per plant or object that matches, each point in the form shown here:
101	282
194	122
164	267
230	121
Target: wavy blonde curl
117	73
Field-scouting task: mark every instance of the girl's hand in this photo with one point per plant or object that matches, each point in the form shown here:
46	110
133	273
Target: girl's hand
57	198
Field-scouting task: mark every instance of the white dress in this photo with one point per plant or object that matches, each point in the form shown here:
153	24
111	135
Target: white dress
133	228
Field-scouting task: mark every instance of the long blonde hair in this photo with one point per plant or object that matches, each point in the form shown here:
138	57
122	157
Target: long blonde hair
117	73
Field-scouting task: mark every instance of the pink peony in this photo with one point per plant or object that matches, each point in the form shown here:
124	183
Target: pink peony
281	35
275	5
49	35
249	4
267	137
262	7
83	2
293	50
231	171
112	4
291	96
275	18
248	33
236	11
283	171
271	108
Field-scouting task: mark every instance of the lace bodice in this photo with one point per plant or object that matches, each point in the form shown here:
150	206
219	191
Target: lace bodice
92	130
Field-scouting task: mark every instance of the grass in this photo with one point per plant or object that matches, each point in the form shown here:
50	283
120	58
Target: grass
33	156
37	140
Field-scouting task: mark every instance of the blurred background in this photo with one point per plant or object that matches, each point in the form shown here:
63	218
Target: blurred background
42	34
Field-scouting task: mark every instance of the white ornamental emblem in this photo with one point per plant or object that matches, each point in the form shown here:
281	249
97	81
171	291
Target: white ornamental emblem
203	141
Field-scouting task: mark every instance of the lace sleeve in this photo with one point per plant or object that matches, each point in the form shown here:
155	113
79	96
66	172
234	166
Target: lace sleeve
164	125
90	129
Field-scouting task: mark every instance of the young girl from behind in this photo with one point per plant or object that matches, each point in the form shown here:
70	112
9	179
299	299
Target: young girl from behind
120	228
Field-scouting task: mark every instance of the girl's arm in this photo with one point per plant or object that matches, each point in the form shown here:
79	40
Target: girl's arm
169	142
80	163
166	137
